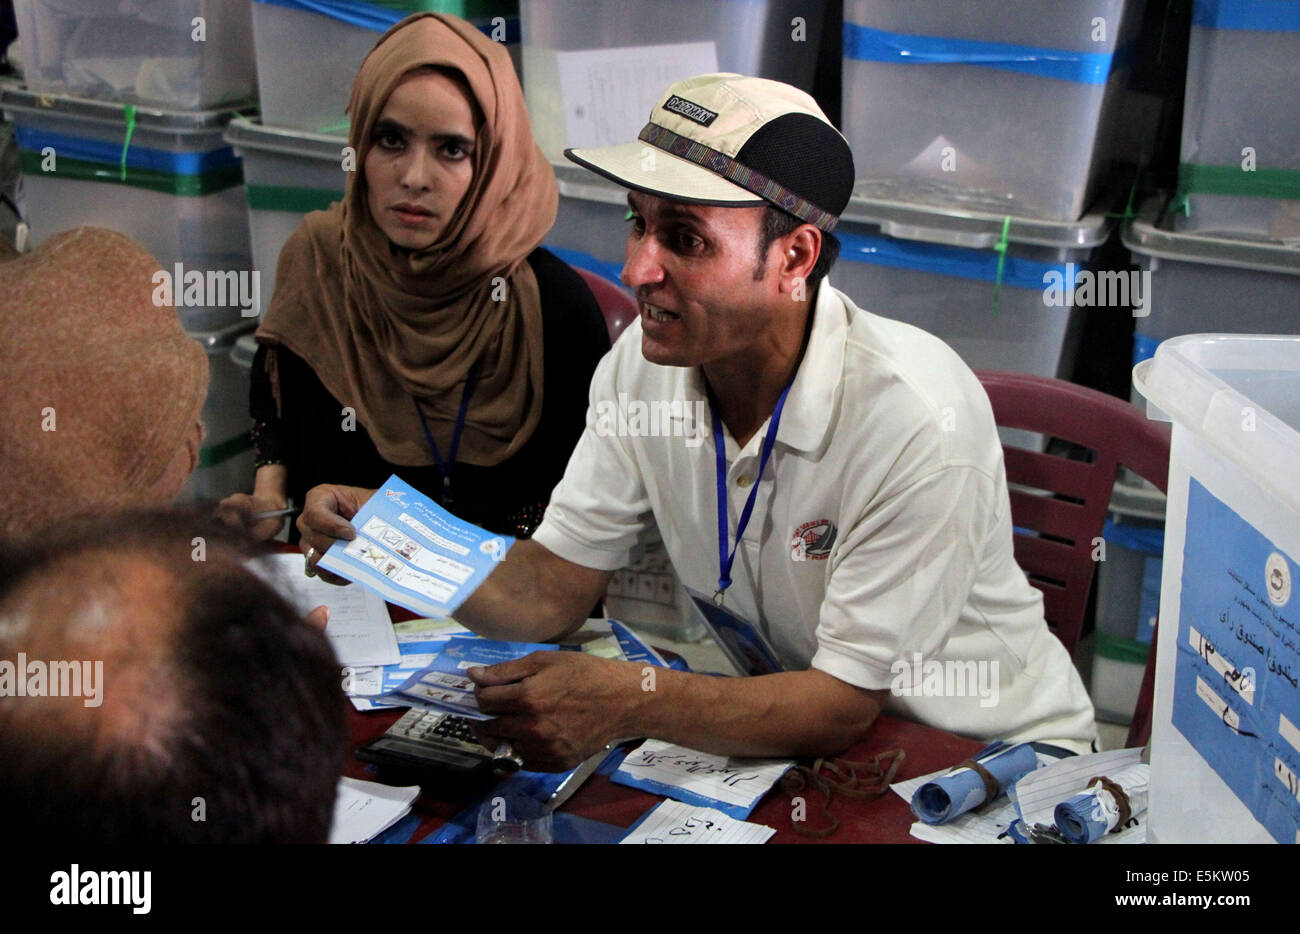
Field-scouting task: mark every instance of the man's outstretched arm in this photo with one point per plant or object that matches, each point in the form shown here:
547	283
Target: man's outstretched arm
560	707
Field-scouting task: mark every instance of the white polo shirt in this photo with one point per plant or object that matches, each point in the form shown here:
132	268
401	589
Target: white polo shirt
879	550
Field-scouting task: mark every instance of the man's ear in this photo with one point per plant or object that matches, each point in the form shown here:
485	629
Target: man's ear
799	251
193	444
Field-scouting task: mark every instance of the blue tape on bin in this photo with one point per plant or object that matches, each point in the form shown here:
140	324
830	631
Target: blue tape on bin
137	157
874	45
1250	15
375	18
1135	538
1144	348
950	261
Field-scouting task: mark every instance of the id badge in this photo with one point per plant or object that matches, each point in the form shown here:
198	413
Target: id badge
740	640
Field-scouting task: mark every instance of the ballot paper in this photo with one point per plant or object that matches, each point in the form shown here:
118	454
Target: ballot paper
414	553
359	627
418	642
364	810
962	789
1038	794
675	822
731	785
444	684
987	825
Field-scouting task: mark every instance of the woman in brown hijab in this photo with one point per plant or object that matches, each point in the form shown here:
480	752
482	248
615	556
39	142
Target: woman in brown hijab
417	327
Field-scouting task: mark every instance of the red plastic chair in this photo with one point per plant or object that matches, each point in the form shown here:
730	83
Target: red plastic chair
1063	503
618	307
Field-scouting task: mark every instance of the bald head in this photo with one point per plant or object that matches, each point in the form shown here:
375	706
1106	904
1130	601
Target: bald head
154	690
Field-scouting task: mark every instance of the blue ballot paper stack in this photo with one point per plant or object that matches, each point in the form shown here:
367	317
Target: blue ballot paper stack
963	789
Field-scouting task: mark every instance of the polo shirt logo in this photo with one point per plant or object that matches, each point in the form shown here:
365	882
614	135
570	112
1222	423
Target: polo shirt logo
691	111
813	541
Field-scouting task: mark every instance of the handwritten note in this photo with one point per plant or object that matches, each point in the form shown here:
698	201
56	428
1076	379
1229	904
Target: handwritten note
359	627
733	786
1237	669
675	822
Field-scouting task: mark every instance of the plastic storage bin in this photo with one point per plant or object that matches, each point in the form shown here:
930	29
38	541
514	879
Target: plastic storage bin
1240	167
1225	751
1209	284
986	105
167	179
226	458
1128	599
287	173
769	38
179	54
315	97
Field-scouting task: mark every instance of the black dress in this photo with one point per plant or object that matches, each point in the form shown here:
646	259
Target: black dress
308	436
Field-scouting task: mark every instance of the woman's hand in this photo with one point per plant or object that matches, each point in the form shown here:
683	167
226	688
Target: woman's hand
324	520
236	511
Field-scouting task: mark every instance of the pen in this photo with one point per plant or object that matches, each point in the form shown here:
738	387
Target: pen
270	514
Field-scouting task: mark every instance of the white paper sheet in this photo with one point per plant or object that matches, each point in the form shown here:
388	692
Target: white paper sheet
364	810
674	822
607	93
359	628
736	782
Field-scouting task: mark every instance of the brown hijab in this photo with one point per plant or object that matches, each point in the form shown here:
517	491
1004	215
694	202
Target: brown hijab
380	327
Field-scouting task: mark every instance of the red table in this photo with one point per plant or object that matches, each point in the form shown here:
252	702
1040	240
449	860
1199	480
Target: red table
884	820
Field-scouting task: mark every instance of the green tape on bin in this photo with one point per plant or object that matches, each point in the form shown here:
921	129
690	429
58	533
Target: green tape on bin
166	182
1234	180
213	454
1119	649
298	200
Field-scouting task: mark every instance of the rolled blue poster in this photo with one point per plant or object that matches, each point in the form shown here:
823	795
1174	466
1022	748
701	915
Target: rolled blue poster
950	796
1092	814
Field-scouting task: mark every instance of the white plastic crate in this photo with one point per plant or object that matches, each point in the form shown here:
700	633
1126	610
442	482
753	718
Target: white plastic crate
586	84
180	54
1225	752
1241	121
287	173
312	94
226	457
180	191
985	105
1210	284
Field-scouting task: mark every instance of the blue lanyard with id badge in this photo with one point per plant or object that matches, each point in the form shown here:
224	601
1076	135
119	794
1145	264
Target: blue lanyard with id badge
740	640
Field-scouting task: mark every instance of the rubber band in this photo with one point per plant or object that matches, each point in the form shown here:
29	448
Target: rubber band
129	112
1001	248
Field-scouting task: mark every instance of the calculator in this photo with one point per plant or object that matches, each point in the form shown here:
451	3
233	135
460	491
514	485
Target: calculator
428	741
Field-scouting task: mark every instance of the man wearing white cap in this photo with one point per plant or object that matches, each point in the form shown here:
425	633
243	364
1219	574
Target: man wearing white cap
849	503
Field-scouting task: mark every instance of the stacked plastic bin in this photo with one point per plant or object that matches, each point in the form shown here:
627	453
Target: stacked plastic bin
311	93
1240	171
120	125
983	105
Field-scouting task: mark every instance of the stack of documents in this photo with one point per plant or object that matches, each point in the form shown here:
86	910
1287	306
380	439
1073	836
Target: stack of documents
364	810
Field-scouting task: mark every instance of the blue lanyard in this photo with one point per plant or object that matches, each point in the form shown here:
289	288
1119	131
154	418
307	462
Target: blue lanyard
725	559
446	466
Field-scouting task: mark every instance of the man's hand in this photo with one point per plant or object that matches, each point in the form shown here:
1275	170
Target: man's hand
325	514
557	708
